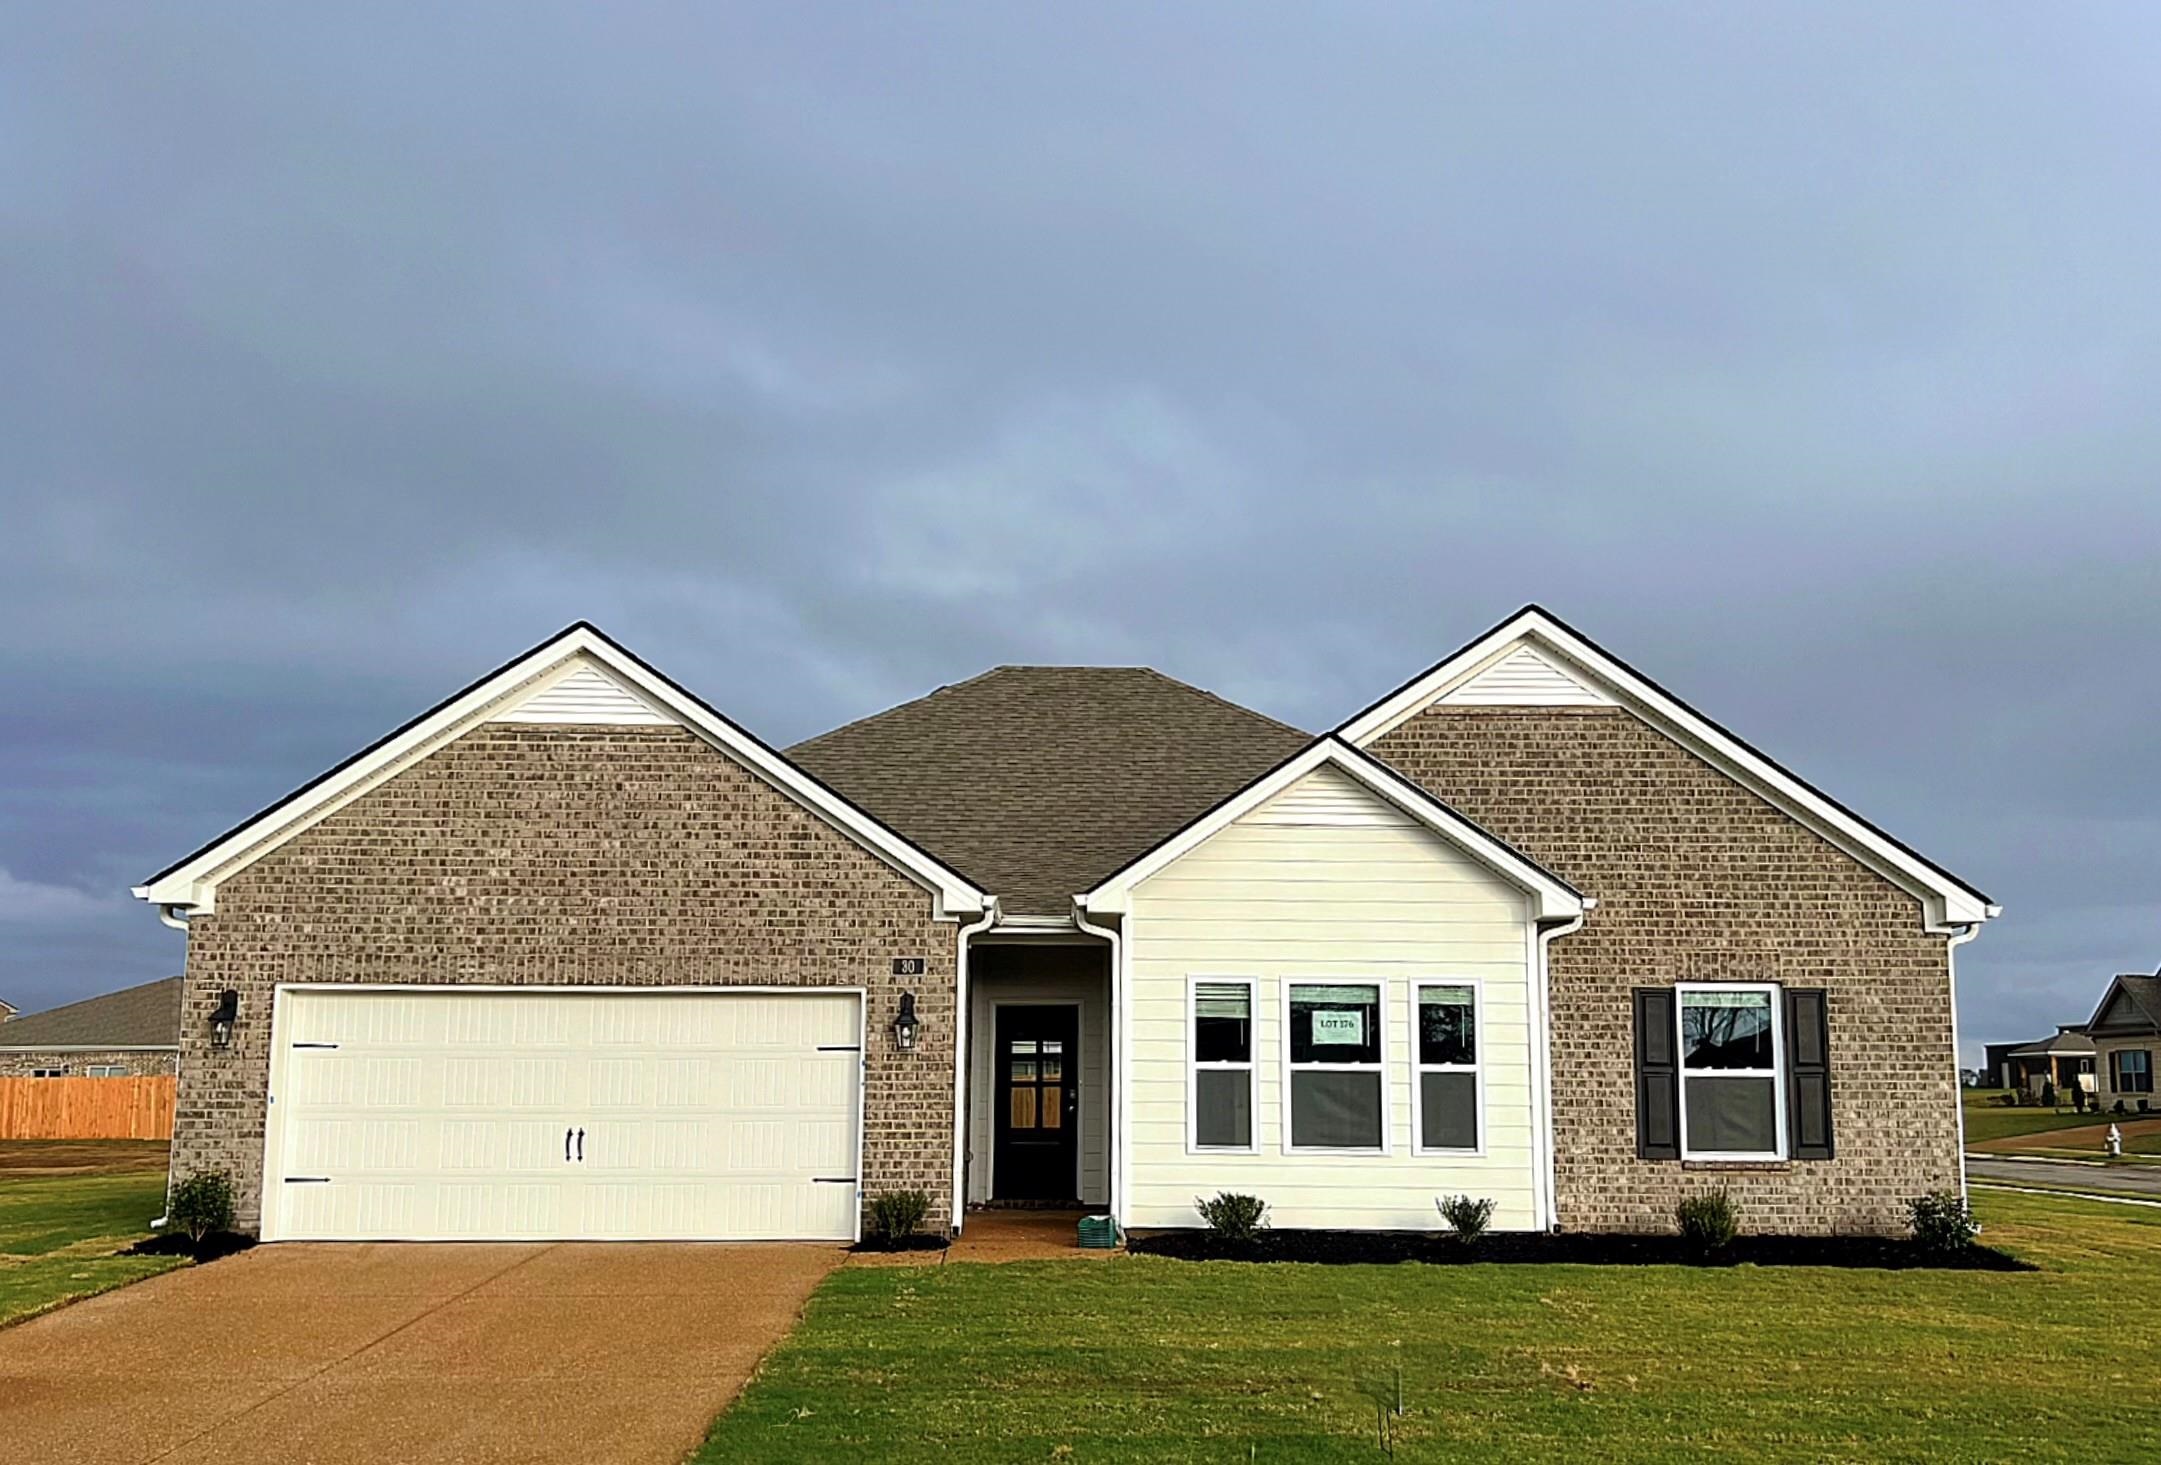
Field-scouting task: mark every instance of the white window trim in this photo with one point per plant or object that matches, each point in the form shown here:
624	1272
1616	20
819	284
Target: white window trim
105	1070
1290	1069
2118	1072
1776	1073
1251	1066
1476	1068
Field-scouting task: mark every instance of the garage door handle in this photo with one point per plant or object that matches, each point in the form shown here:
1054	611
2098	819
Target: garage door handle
581	1146
566	1146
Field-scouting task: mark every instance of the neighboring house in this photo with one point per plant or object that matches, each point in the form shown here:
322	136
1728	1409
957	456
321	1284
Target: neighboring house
2126	1031
7	1010
574	955
129	1033
2059	1060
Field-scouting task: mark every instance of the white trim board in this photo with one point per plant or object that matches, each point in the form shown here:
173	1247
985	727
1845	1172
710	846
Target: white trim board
1949	903
1552	899
191	885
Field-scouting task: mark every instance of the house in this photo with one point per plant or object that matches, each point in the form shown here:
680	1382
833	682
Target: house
129	1033
2059	1060
572	954
2126	1031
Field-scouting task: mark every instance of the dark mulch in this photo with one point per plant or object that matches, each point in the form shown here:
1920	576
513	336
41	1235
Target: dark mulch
918	1242
172	1243
1339	1248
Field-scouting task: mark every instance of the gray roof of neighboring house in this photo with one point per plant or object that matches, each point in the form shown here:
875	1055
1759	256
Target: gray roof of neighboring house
134	1017
2144	992
1036	782
2068	1040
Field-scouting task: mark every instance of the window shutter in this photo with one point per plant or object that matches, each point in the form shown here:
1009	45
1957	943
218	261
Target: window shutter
1808	1073
1658	1076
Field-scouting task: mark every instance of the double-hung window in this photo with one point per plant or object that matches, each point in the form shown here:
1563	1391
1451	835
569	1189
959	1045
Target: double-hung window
1338	1096
105	1070
1449	1085
1733	1099
1222	1092
2133	1071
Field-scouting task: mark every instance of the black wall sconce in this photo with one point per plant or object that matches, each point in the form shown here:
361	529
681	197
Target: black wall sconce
907	1024
222	1020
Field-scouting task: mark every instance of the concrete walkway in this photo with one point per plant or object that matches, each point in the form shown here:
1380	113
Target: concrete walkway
471	1353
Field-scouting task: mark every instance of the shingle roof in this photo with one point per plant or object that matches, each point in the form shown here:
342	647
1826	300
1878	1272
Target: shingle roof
1037	781
2144	990
2068	1040
134	1017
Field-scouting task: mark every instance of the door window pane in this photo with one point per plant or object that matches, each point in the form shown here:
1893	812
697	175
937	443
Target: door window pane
1024	1070
1331	1110
1223	1107
1726	1030
1053	1111
1335	1023
1447	1025
1448	1110
1023	1108
1732	1116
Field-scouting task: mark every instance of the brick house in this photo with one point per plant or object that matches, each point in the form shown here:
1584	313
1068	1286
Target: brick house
574	955
2126	1036
132	1033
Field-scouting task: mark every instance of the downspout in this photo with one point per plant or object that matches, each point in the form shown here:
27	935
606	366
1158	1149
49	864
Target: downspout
169	914
1544	1054
963	1022
1959	938
1119	1087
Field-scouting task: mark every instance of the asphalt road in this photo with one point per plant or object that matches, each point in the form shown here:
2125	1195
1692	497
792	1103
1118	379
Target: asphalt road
2144	1181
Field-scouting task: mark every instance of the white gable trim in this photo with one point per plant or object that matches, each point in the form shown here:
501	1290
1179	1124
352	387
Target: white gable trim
1520	676
1552	899
579	693
1949	903
191	885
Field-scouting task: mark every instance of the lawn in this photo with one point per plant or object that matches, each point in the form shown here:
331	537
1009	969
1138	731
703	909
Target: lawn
1145	1359
61	1222
1985	1121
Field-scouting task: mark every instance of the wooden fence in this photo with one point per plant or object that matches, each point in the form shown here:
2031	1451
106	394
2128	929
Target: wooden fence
86	1108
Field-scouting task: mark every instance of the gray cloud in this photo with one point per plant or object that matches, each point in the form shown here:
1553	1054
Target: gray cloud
1803	357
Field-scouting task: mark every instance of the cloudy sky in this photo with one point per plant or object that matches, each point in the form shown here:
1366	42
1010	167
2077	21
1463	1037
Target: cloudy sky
1807	357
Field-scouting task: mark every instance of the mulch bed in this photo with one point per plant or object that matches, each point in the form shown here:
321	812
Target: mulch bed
1341	1248
172	1243
919	1242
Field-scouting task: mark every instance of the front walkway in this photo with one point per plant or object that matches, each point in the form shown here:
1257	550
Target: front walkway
998	1236
473	1353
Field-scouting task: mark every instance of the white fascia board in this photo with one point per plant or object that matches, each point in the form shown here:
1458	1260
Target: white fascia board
191	886
1552	899
1949	904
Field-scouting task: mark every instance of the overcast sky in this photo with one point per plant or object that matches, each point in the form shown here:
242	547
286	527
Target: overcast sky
1807	357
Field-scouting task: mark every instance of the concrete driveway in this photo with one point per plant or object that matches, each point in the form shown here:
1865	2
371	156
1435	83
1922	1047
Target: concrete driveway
332	1353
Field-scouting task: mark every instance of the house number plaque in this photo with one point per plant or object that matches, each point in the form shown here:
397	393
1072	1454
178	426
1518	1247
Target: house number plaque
907	966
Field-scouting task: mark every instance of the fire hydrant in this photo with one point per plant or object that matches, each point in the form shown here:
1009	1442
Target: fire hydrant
2115	1143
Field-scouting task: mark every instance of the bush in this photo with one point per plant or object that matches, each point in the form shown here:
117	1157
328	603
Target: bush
1234	1217
201	1207
1468	1216
2048	1093
1942	1223
896	1216
2119	1107
1707	1221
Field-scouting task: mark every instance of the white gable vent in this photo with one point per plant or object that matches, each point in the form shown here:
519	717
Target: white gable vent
1329	796
586	695
1525	678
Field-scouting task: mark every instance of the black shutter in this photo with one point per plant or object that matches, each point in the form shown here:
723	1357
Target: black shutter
1808	1073
1658	1076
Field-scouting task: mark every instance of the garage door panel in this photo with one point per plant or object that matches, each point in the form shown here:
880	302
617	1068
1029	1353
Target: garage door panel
704	1115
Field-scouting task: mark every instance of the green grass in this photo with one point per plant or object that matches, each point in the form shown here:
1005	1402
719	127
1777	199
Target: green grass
58	1233
1142	1359
1985	1122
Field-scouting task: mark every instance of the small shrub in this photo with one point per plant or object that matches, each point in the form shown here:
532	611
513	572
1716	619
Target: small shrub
201	1207
1707	1221
2078	1099
896	1216
1467	1216
2119	1107
1942	1223
2048	1093
1233	1217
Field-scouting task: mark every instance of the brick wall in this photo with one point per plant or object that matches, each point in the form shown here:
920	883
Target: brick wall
1697	879
134	1062
615	856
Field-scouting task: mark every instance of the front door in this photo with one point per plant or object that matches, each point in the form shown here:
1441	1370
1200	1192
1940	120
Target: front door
1038	1102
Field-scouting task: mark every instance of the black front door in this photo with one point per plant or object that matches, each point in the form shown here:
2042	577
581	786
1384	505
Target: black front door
1038	1101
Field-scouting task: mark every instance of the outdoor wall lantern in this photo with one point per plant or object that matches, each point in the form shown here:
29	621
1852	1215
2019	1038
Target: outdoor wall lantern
906	1025
222	1020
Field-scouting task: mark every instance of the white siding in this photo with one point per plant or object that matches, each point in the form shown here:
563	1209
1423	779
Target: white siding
1055	983
1524	677
585	695
1328	897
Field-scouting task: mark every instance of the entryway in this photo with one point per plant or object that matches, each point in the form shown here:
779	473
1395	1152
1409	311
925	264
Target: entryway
1038	1091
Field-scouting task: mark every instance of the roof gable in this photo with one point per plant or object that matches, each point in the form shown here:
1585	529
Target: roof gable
1289	793
146	1016
579	676
1477	672
2132	1001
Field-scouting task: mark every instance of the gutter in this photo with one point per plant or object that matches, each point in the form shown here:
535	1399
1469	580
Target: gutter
1950	960
1542	1055
1121	1021
963	1020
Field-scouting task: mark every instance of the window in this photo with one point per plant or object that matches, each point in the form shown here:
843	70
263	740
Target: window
2131	1071
1447	1061
49	1072
1337	1098
106	1070
1222	1092
1732	1100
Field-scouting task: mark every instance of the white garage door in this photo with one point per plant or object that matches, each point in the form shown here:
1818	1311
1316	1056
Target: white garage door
454	1114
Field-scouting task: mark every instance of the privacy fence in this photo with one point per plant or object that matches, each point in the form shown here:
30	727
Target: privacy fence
86	1108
